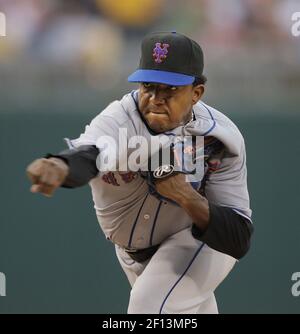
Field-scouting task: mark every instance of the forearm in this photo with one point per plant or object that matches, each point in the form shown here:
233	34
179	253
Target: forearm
196	206
221	228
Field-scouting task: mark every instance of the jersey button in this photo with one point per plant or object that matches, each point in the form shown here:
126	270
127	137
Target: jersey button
146	216
140	241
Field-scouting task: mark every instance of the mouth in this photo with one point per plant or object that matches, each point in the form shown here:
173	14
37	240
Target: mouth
157	111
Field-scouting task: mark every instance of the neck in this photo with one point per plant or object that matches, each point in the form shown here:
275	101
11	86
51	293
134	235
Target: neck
189	117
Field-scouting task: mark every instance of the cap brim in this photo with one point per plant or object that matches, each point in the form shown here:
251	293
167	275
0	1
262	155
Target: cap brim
162	77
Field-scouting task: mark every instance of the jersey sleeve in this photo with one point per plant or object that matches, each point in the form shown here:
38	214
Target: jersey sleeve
109	133
227	186
100	126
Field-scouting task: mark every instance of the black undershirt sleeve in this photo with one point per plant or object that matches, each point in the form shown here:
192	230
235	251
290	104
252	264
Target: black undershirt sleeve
227	232
82	165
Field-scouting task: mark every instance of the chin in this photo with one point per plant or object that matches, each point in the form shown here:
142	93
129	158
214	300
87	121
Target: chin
157	128
156	125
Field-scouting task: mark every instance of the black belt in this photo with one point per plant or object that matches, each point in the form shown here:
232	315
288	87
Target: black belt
141	255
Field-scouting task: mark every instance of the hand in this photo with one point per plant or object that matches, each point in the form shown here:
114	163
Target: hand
47	175
175	187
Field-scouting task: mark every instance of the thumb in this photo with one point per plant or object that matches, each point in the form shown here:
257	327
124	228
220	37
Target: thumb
35	188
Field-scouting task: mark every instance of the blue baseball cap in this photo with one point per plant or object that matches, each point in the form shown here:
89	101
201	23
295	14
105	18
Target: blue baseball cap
169	58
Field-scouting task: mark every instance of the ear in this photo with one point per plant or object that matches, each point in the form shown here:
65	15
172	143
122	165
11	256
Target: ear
198	91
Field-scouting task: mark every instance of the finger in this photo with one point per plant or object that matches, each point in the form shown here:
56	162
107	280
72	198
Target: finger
49	178
53	178
33	178
47	190
35	188
32	175
34	170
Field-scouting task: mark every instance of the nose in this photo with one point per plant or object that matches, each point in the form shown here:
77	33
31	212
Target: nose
157	97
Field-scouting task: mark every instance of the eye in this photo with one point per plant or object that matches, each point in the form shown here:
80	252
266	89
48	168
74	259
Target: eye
146	84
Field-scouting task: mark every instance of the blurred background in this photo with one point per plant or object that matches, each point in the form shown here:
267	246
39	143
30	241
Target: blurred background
62	62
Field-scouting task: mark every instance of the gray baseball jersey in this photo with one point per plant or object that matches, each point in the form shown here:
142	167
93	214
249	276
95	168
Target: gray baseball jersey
132	217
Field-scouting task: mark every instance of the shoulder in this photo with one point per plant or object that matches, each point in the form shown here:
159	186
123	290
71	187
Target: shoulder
118	111
121	114
219	126
203	110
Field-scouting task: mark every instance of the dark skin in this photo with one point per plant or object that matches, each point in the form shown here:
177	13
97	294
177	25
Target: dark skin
165	108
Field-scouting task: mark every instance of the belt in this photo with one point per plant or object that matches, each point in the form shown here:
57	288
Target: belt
141	255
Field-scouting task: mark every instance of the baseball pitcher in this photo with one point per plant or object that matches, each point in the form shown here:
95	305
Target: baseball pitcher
176	236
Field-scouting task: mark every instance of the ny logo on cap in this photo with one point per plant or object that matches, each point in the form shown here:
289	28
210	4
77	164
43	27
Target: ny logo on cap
160	52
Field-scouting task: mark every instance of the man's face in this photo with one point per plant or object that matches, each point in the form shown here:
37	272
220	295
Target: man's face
167	107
